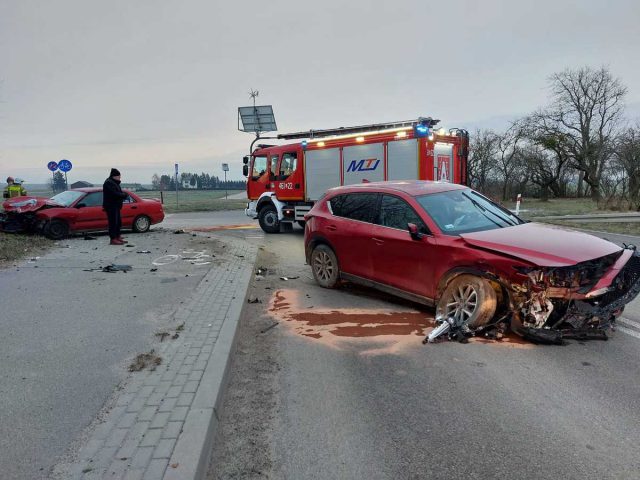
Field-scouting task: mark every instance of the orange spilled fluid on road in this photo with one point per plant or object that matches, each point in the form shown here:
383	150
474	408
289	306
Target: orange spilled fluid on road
390	331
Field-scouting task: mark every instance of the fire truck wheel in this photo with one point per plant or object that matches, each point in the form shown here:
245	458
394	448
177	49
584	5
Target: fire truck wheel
324	264
268	218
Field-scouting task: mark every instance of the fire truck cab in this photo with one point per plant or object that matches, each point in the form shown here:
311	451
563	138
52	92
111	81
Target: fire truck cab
284	181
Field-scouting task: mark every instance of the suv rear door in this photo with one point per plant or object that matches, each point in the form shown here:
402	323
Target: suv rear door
349	230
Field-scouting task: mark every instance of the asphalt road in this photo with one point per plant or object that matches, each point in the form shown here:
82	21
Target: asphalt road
68	336
314	395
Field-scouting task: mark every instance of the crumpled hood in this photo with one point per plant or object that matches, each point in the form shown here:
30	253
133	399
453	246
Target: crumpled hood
27	204
542	245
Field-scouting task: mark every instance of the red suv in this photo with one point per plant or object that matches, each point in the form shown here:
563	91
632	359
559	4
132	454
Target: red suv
448	246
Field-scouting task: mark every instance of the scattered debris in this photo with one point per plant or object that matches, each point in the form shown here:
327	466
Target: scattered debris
162	335
128	245
145	360
253	299
178	232
269	327
143	251
175	336
90	237
262	271
153	270
288	278
117	268
180	327
174	465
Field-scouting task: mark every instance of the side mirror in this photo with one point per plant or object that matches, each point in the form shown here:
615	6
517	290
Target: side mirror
81	205
245	160
245	169
413	231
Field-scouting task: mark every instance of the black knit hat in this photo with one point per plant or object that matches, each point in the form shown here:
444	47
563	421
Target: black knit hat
115	172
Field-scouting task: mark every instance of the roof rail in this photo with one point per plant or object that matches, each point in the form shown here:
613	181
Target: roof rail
428	121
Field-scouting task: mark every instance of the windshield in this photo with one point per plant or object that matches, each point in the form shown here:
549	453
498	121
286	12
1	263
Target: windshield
66	198
464	211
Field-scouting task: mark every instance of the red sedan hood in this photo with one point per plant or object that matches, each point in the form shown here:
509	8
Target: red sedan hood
27	204
542	245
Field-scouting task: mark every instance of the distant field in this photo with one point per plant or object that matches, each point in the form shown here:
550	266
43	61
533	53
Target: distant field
197	200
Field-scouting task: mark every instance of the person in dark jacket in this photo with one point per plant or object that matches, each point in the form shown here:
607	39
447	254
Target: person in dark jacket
112	198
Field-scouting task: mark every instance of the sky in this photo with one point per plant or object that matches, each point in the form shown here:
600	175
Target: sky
141	85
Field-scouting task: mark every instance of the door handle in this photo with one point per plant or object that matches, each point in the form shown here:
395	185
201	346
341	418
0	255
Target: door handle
332	228
378	241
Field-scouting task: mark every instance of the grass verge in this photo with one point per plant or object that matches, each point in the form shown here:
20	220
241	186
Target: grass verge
197	201
623	228
15	246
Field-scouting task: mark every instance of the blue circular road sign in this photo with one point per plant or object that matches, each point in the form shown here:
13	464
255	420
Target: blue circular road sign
53	166
64	165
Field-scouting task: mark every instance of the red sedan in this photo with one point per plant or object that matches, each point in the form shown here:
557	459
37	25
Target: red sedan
77	210
482	267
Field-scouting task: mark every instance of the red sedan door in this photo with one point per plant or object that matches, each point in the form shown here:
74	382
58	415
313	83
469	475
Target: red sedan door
348	228
397	259
90	213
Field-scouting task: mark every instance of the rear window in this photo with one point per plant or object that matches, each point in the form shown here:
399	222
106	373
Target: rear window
355	206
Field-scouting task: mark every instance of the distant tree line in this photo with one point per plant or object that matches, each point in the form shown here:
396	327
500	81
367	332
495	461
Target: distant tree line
579	145
194	181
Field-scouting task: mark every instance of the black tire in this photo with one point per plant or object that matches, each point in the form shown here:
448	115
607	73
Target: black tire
56	229
324	265
268	219
141	224
469	299
302	223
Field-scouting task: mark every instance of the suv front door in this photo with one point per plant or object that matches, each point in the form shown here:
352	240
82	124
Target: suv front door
397	259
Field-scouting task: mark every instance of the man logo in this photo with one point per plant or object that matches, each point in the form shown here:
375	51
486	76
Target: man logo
364	165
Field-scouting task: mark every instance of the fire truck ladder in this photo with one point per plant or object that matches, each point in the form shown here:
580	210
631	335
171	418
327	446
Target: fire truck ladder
426	121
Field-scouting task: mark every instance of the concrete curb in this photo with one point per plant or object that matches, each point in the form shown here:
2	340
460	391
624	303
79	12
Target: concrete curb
194	446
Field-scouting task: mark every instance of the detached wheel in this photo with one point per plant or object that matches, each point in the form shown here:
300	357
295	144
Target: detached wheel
324	264
268	219
470	300
56	229
141	224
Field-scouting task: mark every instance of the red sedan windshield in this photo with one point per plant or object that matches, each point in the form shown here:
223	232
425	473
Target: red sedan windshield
66	198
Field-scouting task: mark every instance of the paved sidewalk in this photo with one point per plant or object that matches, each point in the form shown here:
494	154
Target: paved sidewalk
163	421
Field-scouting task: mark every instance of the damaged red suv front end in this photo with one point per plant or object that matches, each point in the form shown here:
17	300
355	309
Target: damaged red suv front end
484	269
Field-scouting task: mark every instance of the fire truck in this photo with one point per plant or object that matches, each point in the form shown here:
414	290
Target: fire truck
284	181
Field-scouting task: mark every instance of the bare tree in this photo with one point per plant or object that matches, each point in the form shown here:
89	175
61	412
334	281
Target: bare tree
481	163
587	109
628	158
507	158
155	182
547	155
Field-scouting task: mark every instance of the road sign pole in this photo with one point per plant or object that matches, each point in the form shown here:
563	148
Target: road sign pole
66	183
176	185
225	185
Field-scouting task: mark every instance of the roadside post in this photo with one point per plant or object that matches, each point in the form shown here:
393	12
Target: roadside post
176	185
225	169
65	166
53	166
518	200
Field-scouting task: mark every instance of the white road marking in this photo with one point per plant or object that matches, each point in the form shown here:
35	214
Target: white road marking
628	331
629	323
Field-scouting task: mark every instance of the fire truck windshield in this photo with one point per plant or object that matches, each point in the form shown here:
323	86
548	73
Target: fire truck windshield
259	166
